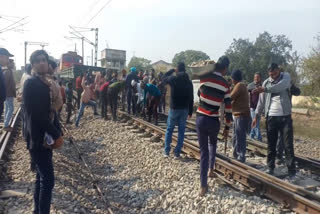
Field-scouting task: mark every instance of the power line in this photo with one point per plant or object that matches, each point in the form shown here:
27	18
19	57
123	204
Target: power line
99	11
17	22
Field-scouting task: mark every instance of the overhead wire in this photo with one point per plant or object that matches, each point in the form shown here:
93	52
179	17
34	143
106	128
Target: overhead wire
108	2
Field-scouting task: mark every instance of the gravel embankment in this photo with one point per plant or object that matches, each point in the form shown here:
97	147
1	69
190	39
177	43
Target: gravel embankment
131	172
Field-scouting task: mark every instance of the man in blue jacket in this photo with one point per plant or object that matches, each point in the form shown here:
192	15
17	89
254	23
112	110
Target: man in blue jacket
40	122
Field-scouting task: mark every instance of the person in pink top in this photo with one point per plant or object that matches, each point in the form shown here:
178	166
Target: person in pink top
86	100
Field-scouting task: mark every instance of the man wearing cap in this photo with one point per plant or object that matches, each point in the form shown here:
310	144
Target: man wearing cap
129	89
275	101
241	113
10	86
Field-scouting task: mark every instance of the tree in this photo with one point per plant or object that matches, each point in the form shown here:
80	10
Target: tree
188	57
251	57
140	63
311	71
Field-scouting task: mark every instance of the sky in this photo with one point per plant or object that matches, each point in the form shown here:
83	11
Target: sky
156	29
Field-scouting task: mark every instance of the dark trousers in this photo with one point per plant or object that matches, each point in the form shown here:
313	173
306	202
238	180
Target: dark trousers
42	161
131	102
162	104
113	99
1	108
153	108
104	104
207	129
240	127
274	126
123	99
69	110
280	146
79	92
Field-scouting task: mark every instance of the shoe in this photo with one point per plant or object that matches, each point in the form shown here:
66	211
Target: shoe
165	155
270	171
212	174
279	161
7	129
177	157
203	191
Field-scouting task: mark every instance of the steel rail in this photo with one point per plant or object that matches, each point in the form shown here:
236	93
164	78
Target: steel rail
262	149
6	136
290	196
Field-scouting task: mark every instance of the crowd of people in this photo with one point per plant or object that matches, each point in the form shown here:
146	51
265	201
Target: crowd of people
222	103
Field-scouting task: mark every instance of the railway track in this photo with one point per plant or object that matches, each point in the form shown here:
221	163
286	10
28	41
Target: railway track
291	196
7	136
259	148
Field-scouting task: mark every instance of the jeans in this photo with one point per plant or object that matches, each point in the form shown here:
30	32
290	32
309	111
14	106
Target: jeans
207	129
131	100
82	106
42	161
284	125
255	132
240	125
175	117
9	107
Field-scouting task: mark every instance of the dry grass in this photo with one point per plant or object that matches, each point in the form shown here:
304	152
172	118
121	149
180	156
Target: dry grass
305	126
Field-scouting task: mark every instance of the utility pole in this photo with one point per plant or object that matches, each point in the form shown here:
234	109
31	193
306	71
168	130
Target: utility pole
82	39
77	32
91	57
96	48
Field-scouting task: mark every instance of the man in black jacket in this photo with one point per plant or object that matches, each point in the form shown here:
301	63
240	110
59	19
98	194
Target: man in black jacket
181	105
40	122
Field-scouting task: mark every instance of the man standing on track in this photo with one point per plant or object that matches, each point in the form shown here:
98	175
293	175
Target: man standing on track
181	106
10	85
275	100
241	114
213	91
254	97
86	97
37	115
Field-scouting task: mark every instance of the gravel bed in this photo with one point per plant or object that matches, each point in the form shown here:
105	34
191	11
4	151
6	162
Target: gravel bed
132	173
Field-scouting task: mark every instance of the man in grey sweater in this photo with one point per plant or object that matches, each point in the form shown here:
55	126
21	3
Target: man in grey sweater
276	103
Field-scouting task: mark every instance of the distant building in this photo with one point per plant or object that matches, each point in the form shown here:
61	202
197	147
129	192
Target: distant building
161	66
113	59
